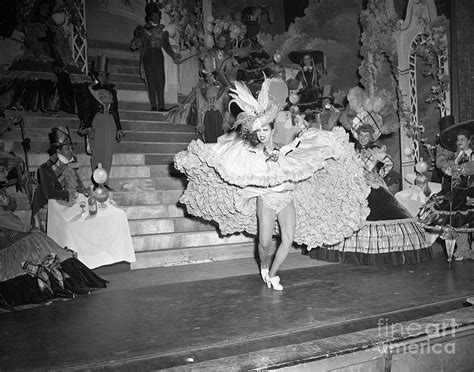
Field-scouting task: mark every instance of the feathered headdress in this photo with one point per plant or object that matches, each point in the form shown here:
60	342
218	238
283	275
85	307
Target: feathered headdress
256	112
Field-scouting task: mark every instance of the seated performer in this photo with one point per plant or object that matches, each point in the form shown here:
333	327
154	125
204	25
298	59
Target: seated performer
309	76
35	268
58	178
313	185
390	236
99	115
453	206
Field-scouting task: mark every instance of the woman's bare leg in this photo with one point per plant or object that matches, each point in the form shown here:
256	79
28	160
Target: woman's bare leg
266	226
287	221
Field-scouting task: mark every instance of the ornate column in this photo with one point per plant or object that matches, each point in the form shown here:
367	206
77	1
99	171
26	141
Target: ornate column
408	36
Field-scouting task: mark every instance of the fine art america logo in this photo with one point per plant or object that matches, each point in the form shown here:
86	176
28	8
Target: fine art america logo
418	337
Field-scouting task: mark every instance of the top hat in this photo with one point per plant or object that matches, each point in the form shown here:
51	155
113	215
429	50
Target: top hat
100	64
296	56
58	137
449	131
327	93
151	8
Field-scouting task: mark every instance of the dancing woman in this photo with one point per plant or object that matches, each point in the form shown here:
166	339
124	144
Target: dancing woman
313	185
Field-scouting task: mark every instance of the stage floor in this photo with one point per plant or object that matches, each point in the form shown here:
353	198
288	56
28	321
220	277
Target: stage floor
160	324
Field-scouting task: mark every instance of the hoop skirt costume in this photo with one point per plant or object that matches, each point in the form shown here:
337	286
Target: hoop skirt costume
317	171
390	236
33	268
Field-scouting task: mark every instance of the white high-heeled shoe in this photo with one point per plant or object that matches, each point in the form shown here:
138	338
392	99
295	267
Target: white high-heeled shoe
275	283
264	274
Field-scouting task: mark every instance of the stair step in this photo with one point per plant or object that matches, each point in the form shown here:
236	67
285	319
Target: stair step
127	124
147	197
140	87
130	70
124	147
154	226
185	240
140	212
141	184
116	78
41	134
194	255
35	160
133	61
164	171
159	159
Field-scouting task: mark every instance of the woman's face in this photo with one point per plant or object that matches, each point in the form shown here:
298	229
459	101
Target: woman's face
364	138
265	134
307	61
462	142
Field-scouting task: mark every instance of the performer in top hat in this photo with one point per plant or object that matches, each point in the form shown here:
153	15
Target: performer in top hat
328	115
452	207
151	38
58	178
309	75
99	115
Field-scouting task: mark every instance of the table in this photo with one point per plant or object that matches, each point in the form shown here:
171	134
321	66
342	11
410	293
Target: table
99	240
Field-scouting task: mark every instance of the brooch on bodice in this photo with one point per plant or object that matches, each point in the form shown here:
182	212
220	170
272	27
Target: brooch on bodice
272	155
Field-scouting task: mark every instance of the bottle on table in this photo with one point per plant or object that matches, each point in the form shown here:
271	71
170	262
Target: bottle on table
92	203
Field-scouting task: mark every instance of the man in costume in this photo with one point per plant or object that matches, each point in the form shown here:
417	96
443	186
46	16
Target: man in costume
99	115
151	38
309	76
220	62
58	178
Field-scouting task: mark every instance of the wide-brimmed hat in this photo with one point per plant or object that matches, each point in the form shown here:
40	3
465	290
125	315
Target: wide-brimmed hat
363	120
100	64
296	56
151	8
58	137
450	130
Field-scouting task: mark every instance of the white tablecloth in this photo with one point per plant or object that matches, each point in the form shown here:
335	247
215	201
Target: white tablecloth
99	240
413	199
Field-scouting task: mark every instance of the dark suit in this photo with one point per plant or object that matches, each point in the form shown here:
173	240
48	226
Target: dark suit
152	40
53	183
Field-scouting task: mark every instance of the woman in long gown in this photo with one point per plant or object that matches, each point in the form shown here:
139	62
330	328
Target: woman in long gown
33	268
44	78
313	185
390	236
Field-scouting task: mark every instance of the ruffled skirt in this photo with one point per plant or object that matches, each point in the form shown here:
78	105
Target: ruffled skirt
389	237
318	172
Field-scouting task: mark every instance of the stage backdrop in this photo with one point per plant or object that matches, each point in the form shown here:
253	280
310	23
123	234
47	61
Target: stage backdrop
462	59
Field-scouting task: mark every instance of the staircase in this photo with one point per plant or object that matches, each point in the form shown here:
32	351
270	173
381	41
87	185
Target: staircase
146	185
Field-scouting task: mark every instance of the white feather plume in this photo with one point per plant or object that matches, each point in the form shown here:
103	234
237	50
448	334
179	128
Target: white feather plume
243	97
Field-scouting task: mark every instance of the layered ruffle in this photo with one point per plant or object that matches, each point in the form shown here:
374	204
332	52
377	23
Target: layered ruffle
242	165
319	173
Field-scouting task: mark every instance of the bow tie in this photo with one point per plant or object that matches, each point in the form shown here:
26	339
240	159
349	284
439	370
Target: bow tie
307	68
